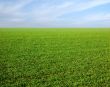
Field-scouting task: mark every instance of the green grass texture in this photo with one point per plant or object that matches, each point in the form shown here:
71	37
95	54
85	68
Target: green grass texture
54	57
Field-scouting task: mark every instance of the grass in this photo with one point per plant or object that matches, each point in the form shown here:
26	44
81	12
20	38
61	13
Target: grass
55	57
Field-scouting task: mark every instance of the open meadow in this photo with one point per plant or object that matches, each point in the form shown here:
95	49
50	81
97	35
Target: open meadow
54	57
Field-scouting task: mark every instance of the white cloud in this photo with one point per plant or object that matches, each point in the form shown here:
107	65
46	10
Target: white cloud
50	11
49	14
13	11
54	11
90	4
94	20
98	17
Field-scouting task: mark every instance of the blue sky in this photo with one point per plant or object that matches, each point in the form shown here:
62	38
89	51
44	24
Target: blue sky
54	13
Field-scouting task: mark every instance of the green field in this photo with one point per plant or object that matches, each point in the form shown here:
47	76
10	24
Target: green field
55	57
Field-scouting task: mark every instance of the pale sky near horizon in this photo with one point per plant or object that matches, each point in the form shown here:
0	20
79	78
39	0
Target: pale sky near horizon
54	13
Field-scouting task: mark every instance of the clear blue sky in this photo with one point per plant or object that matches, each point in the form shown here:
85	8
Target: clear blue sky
54	13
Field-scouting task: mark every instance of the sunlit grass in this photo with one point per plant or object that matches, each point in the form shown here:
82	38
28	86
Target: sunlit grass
55	57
